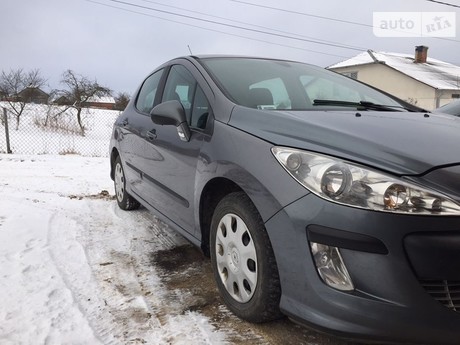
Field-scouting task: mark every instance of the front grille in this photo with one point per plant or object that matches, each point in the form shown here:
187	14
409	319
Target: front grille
447	292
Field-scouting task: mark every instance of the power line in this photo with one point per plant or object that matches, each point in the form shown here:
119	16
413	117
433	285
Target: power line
444	3
241	22
303	13
333	19
214	30
337	45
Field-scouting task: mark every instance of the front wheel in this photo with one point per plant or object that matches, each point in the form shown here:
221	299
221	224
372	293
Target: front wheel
243	262
124	200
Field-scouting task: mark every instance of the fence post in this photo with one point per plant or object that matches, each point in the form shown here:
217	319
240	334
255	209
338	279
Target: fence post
7	132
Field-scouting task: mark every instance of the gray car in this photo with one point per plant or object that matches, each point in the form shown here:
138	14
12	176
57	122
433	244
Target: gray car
452	108
315	196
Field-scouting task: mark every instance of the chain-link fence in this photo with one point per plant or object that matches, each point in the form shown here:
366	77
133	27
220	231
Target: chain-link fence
52	129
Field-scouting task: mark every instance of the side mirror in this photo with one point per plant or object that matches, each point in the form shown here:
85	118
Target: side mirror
172	113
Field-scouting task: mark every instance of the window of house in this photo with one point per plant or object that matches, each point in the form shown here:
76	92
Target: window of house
456	95
146	98
352	75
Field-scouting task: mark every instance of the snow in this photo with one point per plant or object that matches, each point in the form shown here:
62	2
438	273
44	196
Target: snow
75	269
435	73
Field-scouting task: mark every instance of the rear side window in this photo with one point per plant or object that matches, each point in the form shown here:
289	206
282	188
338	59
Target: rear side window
146	98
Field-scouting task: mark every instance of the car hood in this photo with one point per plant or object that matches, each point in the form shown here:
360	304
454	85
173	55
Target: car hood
402	143
445	180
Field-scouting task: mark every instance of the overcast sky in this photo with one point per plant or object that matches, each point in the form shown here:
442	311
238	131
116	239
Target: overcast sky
120	42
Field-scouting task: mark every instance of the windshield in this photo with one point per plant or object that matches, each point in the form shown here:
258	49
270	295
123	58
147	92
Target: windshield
282	85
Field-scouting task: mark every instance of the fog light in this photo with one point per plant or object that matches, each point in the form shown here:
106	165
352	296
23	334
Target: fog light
331	267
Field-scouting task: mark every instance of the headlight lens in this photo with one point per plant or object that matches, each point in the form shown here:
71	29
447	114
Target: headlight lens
357	186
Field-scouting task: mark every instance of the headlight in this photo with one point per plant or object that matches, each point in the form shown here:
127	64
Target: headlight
353	185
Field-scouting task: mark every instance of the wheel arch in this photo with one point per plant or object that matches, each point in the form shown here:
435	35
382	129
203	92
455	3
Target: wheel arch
213	192
234	179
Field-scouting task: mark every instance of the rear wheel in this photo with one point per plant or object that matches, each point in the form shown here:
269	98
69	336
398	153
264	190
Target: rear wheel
243	261
124	200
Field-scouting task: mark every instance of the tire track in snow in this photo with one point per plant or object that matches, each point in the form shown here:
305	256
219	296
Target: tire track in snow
122	296
64	244
37	306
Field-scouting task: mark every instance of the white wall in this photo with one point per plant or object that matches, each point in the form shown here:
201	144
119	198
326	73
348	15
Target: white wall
394	82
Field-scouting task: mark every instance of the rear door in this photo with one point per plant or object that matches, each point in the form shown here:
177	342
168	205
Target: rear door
133	127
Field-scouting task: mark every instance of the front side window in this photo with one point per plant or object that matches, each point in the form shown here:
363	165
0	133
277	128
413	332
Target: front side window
146	98
200	110
183	87
180	86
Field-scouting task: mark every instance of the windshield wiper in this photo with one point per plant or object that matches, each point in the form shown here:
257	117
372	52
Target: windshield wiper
362	105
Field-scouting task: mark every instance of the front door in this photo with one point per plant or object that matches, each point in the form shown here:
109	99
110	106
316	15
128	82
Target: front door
169	177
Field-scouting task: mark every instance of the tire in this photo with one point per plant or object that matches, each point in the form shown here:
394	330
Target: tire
124	200
243	262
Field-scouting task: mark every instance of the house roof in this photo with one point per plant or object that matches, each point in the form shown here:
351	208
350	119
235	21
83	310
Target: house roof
104	99
32	89
435	73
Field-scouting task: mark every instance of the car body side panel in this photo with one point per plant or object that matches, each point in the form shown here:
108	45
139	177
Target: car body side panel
240	157
129	132
233	160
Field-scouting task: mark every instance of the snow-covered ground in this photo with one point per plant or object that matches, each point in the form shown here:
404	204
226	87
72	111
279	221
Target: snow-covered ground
77	270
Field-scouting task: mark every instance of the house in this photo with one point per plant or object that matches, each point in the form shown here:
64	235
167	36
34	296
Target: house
92	102
107	102
62	100
33	95
417	79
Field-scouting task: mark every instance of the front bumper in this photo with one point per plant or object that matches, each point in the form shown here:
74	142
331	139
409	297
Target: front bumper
388	271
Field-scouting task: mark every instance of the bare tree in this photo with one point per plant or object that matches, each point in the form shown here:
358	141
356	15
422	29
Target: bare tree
53	110
15	81
79	90
121	100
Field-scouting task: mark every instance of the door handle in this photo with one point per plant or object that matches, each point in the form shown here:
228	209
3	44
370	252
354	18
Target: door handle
152	135
125	122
